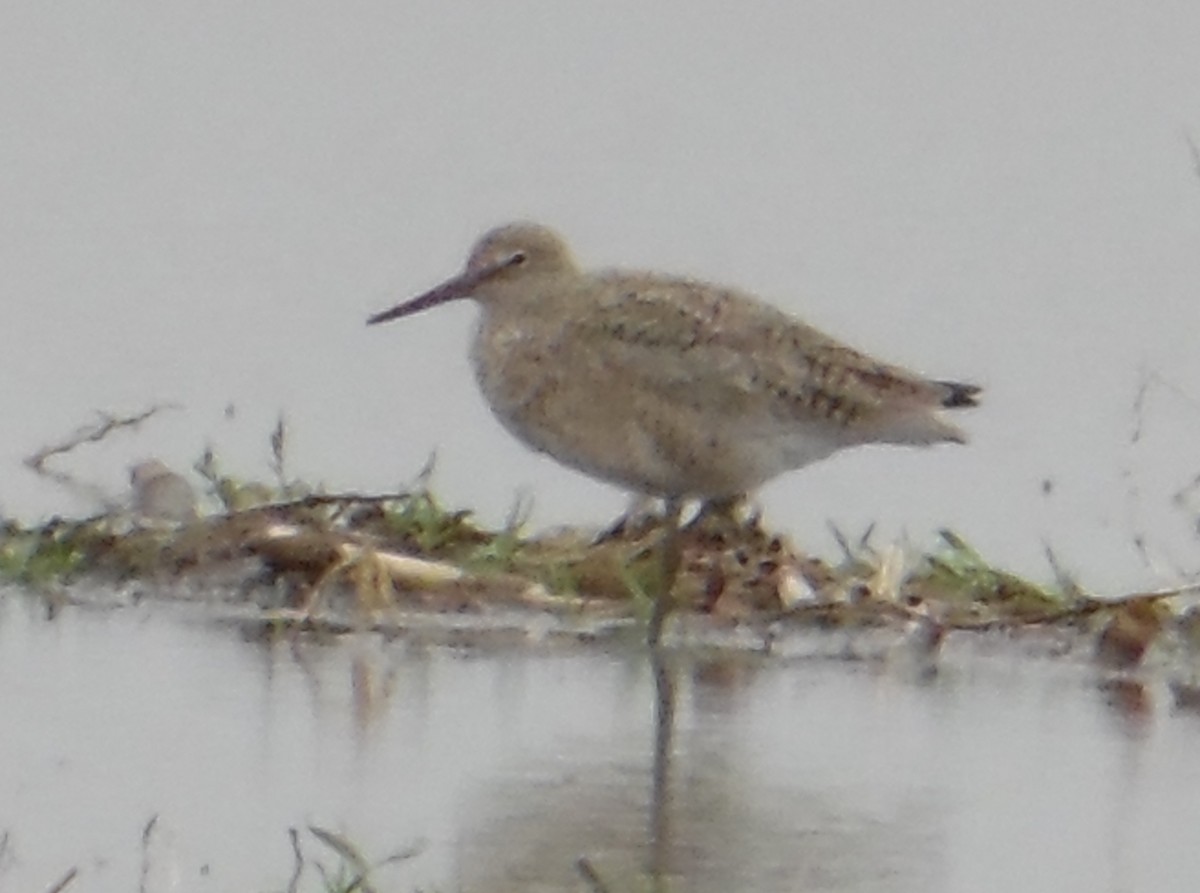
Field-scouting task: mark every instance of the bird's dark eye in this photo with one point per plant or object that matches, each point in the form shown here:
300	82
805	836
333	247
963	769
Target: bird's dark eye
518	258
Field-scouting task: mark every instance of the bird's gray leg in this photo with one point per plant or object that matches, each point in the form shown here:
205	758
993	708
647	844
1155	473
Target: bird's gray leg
670	556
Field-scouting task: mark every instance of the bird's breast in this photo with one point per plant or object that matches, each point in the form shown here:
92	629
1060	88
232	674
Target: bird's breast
514	368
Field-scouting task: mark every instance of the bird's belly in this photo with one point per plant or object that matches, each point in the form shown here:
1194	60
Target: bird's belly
642	440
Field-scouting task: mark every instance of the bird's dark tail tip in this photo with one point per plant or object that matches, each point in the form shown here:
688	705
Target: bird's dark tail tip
958	395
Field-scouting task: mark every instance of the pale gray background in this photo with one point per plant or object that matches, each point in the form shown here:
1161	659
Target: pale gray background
203	201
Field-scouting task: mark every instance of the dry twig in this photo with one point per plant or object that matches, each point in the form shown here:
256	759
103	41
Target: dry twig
294	883
64	881
93	433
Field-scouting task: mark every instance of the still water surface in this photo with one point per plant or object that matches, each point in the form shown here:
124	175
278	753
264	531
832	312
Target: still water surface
507	760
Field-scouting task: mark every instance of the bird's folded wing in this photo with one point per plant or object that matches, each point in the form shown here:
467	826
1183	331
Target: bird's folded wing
724	350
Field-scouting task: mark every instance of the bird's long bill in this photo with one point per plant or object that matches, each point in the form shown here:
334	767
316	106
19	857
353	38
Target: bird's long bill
451	290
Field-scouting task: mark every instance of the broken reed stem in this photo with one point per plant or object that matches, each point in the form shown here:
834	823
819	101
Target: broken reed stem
298	861
65	881
588	872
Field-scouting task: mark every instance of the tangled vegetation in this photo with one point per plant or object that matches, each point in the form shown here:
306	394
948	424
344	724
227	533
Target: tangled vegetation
338	561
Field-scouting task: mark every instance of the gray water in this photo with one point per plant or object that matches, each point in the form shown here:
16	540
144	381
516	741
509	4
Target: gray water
505	760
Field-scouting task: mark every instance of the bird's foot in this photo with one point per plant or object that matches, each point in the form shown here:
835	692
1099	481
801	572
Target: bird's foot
640	519
726	522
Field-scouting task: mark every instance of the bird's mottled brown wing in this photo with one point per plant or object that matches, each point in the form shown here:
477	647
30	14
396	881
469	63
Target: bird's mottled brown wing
725	350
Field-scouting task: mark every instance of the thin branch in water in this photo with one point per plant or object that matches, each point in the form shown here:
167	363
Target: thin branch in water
326	881
425	476
842	542
590	876
1139	404
348	854
864	541
520	512
345	850
65	881
1063	578
1149	383
855	553
1133	492
147	833
403	855
298	869
278	444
